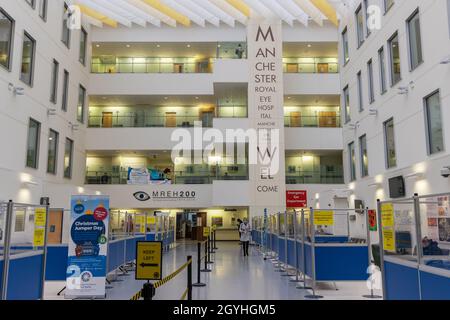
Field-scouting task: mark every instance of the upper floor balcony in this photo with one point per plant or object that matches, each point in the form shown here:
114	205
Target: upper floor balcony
314	167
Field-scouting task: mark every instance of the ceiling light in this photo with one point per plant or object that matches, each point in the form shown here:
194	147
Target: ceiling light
309	45
158	46
165	98
97	45
128	46
188	46
196	98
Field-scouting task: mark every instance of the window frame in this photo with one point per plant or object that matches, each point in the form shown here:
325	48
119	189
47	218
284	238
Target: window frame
64	27
8	67
360	34
386	145
386	7
43	9
345	46
370	82
352	160
81	119
54	82
83	35
55	165
364	171
347	113
37	144
360	91
427	123
72	147
382	70
66	85
33	59
416	13
391	59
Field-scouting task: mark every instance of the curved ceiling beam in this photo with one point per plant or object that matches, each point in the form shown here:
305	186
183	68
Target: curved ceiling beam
327	9
97	16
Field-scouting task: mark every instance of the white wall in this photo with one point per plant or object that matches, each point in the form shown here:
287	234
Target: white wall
15	111
407	110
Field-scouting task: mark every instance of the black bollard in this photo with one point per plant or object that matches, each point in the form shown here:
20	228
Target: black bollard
199	262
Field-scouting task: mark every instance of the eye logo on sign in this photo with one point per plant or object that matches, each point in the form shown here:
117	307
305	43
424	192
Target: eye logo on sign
142	196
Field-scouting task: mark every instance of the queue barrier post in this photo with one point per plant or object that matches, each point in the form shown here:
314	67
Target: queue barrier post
215	247
209	250
286	265
294	221
206	258
303	260
199	262
148	291
369	250
189	278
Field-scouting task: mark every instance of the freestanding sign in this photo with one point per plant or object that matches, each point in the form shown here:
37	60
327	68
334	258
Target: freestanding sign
88	246
148	260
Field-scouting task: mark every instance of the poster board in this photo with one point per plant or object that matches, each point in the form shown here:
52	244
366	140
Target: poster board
88	247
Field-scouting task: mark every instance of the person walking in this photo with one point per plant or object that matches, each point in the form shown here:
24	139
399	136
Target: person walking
239	222
245	231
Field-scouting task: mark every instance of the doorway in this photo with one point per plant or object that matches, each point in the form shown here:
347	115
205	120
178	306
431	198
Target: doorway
322	68
55	226
327	119
107	119
292	68
295	119
177	68
171	119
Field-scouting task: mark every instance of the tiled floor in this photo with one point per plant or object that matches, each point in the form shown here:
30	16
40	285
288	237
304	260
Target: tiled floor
233	277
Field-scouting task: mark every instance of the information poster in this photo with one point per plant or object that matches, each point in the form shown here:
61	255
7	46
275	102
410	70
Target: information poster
438	218
40	219
389	239
140	223
151	220
372	220
323	218
387	215
88	246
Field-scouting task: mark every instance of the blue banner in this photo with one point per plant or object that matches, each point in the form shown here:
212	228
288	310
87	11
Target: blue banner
88	246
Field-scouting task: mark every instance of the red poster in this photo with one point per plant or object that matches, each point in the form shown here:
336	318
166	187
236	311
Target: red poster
296	199
372	220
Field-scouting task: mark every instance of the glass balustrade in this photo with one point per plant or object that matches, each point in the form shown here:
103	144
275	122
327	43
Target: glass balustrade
185	174
299	121
310	65
325	175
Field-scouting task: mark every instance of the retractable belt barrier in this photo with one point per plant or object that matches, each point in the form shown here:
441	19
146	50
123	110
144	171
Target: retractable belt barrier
149	290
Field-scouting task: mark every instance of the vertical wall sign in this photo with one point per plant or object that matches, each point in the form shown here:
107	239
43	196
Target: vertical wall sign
88	246
266	99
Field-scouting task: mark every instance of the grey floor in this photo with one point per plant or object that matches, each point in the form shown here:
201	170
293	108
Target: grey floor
233	277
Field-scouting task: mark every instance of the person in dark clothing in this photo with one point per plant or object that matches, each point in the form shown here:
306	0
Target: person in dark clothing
245	231
430	247
105	178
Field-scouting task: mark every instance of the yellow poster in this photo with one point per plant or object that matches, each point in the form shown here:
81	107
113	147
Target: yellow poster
151	220
39	237
387	215
148	260
40	217
388	239
214	227
205	231
140	221
323	218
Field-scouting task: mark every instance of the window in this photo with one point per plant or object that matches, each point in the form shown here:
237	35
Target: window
346	97
414	40
389	140
351	153
433	118
367	16
43	9
381	61
68	158
359	26
81	103
6	38
364	156
388	5
345	46
394	59
34	132
54	83
360	92
83	43
52	159
28	51
66	31
65	91
370	81
32	3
